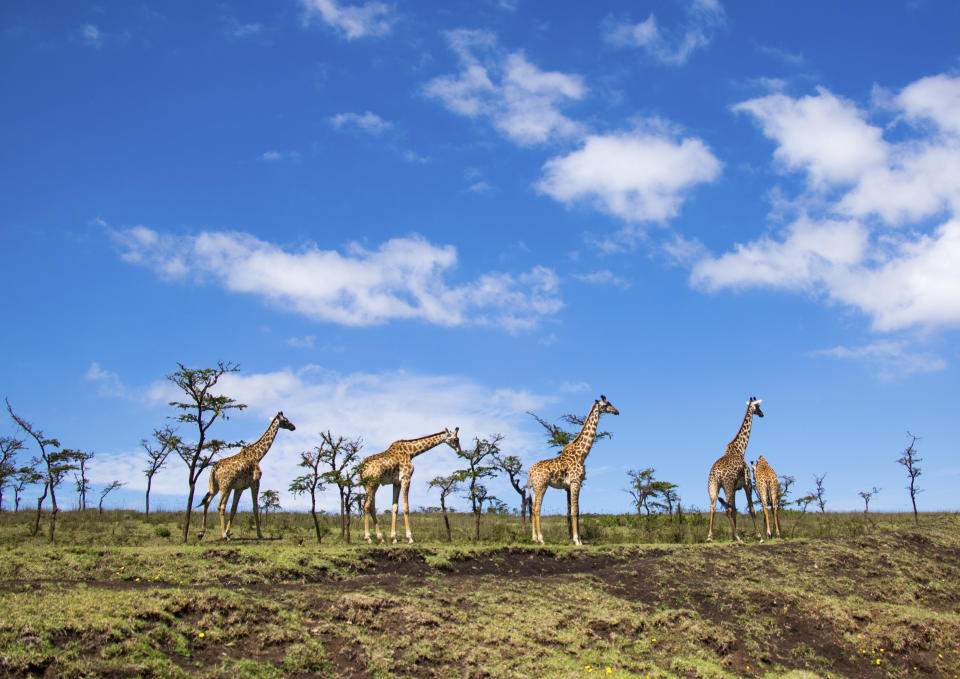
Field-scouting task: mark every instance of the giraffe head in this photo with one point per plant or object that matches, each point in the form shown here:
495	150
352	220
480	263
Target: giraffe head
606	406
451	438
283	422
754	404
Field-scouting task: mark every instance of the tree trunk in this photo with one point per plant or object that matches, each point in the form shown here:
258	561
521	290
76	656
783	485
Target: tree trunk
446	520
36	523
149	482
186	520
913	499
348	523
53	513
476	532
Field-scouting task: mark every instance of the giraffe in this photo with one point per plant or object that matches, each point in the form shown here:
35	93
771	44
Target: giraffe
239	472
768	488
566	471
393	466
730	472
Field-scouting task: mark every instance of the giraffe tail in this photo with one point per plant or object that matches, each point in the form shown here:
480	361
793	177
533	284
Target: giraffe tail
722	502
211	488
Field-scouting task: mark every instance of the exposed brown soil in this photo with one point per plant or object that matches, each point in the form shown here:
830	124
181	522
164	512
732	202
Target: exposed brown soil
795	635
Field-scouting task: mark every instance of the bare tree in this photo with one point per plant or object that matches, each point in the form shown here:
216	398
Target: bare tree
513	468
819	492
201	408
113	485
784	483
82	482
866	498
56	465
909	460
311	482
479	468
167	442
9	447
447	485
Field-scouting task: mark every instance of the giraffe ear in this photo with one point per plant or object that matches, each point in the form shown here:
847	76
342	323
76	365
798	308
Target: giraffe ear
602	397
456	431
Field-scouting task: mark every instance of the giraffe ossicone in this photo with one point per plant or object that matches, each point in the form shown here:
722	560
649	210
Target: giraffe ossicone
566	471
237	473
394	467
731	474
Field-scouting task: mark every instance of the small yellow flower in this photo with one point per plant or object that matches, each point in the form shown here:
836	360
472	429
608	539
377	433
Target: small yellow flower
609	671
136	579
878	661
201	635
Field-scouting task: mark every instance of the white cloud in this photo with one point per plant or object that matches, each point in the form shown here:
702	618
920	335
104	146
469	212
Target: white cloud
824	135
305	342
603	277
890	358
402	279
638	176
860	187
92	35
371	19
369	123
522	101
110	384
380	408
278	156
673	47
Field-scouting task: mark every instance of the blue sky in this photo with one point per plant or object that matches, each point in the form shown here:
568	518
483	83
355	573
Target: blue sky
402	217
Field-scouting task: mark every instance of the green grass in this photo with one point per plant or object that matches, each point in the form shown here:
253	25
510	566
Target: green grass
115	597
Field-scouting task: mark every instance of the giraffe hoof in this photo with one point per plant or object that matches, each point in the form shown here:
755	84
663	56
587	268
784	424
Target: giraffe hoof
709	538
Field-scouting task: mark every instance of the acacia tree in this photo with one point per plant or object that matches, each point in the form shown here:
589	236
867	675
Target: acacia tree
26	476
56	465
113	485
479	468
513	468
82	482
446	484
9	447
167	441
201	408
341	455
909	460
643	487
669	492
784	483
269	501
866	498
311	482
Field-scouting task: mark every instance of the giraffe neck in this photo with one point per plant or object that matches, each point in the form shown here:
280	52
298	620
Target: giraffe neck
579	447
257	450
738	445
416	446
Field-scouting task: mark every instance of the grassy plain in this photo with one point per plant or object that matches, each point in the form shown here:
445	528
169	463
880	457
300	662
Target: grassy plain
842	595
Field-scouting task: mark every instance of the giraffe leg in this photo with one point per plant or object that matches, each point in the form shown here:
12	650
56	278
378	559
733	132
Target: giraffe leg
575	512
570	531
393	510
367	500
405	491
208	498
748	489
730	494
255	492
233	511
713	488
538	494
776	518
221	508
764	498
376	523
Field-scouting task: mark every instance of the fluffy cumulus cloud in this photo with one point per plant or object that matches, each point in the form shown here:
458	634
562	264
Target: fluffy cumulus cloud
370	19
673	46
522	101
377	407
882	231
404	278
638	176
